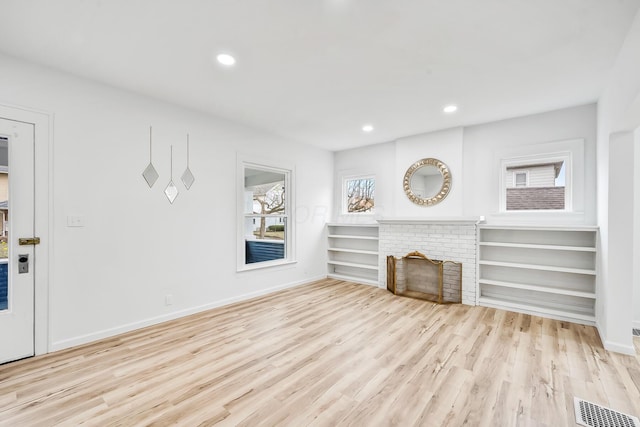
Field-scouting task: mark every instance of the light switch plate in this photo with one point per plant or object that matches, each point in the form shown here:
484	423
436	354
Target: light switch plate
75	221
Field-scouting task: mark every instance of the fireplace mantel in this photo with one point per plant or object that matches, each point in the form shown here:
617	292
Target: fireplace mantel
460	220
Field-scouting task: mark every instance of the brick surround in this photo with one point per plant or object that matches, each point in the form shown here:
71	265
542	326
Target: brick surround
453	240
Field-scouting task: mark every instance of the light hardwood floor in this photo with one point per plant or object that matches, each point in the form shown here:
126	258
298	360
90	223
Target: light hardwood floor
328	353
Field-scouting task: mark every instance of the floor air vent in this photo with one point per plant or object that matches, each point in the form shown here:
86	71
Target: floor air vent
636	332
591	415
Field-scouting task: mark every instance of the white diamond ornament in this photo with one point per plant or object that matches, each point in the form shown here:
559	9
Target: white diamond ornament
150	175
188	178
171	192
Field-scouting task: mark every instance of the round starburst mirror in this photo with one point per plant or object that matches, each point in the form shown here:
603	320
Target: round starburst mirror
427	182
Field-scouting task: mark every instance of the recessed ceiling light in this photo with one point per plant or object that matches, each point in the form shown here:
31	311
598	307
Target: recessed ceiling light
367	128
226	59
450	109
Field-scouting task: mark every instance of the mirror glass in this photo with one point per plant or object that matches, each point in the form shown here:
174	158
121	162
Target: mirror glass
427	182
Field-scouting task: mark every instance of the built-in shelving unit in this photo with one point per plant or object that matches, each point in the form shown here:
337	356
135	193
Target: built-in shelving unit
353	252
547	271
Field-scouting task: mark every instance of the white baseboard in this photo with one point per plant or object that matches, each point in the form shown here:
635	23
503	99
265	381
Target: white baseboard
106	333
614	346
619	348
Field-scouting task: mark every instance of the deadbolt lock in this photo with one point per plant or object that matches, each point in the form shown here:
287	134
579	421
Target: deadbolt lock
26	241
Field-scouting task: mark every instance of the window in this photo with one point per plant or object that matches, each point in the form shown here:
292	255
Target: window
359	194
265	234
536	183
520	179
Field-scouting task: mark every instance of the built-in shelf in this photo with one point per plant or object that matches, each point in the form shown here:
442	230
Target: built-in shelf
539	267
537	288
340	236
350	278
353	252
562	314
353	264
546	247
547	271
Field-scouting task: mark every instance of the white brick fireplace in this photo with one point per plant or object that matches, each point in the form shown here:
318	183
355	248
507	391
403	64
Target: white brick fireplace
443	239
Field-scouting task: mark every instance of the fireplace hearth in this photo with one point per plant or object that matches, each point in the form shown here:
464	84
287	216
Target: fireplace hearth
417	276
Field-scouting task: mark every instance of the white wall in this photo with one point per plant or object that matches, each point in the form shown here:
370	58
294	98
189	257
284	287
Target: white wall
486	144
445	146
113	274
377	160
473	154
618	111
619	311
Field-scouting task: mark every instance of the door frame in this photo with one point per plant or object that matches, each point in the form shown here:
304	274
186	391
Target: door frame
43	166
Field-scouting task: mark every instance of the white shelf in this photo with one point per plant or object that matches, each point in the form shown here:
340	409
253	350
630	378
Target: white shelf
355	279
359	225
546	271
542	247
540	267
559	291
352	253
355	251
347	236
353	264
587	228
539	311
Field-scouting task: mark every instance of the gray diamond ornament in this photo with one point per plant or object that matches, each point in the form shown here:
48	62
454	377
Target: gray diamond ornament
171	192
150	175
188	178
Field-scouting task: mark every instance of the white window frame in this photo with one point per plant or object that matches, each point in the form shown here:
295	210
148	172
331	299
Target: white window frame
526	179
565	156
343	199
252	162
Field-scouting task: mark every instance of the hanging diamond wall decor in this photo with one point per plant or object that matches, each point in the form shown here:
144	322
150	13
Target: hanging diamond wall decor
187	176
171	191
150	174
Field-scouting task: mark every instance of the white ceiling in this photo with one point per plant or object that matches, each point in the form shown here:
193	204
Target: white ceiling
315	71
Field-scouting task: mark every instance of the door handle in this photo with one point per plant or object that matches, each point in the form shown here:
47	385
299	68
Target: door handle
26	241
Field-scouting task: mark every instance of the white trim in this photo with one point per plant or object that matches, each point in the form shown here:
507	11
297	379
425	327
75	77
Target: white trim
106	333
565	156
343	199
574	174
614	346
43	137
243	161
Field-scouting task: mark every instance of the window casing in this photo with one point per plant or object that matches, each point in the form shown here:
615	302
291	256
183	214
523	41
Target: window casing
541	182
358	194
265	223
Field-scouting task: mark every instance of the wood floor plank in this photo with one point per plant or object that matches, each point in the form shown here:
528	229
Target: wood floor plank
325	354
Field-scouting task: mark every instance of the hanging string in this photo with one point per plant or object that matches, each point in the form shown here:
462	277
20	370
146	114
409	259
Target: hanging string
150	144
